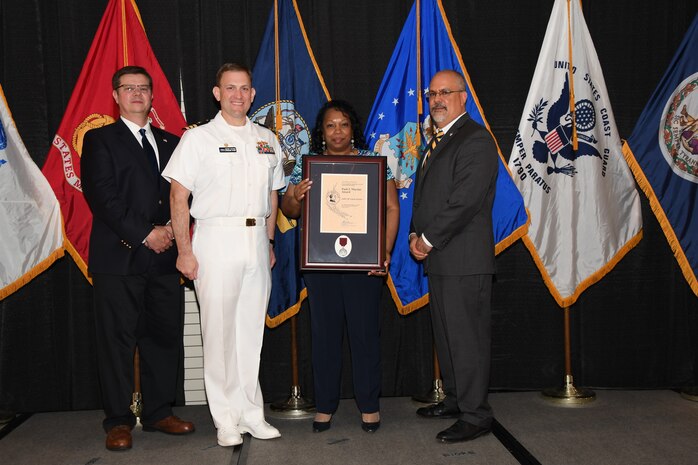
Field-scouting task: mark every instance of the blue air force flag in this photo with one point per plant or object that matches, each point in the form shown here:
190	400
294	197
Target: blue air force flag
585	210
393	130
290	113
30	217
663	154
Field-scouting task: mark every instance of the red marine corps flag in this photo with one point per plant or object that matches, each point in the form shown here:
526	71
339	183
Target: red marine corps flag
120	41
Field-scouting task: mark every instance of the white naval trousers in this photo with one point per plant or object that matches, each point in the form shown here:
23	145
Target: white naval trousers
233	288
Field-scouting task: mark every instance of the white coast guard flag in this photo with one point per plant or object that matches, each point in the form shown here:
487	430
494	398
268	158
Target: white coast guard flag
584	208
30	217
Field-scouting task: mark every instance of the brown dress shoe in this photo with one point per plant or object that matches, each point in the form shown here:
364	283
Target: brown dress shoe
171	425
119	438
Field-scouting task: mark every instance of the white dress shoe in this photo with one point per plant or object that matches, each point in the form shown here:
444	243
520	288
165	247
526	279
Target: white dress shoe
262	430
228	437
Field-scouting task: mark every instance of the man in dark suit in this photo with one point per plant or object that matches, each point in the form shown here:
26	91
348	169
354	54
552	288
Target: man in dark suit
137	293
451	231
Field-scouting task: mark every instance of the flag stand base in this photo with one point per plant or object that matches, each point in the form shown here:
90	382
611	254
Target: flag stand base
295	407
568	395
434	396
690	393
137	406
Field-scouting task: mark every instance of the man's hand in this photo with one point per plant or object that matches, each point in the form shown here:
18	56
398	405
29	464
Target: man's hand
159	239
188	265
418	248
272	256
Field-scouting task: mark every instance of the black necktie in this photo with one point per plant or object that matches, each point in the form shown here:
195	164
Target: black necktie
150	153
432	145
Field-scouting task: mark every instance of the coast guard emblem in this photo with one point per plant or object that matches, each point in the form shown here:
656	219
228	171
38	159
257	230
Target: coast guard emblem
678	130
554	144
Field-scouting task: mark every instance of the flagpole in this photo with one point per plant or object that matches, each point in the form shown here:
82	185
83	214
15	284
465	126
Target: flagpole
568	394
277	70
575	142
436	394
137	398
295	406
420	110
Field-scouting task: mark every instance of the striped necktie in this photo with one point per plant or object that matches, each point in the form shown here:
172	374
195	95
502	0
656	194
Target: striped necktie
432	145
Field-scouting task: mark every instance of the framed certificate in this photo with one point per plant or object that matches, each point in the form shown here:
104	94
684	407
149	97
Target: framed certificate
343	216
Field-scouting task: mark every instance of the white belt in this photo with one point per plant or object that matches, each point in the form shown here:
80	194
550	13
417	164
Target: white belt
233	221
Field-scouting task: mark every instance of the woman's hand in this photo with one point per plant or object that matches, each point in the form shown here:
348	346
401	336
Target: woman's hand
300	190
386	267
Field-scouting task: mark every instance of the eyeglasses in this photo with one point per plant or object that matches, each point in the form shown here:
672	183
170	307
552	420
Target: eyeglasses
441	93
130	88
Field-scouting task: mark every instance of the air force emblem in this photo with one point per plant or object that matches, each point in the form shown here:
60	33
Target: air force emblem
402	152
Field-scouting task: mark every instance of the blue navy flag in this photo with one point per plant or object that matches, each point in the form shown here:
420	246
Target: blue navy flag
662	152
393	131
289	92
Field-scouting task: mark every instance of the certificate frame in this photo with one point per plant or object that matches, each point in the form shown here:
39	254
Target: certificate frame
343	214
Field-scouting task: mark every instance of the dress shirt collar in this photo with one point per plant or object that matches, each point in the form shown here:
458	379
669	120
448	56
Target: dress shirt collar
134	128
448	126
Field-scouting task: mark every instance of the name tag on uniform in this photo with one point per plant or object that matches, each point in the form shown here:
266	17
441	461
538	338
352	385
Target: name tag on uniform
227	149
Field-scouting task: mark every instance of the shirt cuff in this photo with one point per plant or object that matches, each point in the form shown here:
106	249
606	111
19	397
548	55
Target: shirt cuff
424	238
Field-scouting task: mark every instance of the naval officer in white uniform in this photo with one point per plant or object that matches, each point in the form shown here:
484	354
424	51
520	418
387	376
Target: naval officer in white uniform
232	168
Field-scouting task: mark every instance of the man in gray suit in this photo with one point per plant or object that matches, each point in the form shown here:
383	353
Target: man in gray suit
451	231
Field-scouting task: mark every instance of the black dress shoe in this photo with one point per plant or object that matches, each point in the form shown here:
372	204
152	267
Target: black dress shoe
320	426
461	431
370	427
438	411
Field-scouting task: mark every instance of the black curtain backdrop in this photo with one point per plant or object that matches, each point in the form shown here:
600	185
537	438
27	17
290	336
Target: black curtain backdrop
637	328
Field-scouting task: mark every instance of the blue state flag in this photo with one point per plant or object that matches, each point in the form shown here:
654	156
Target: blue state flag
393	130
662	152
289	92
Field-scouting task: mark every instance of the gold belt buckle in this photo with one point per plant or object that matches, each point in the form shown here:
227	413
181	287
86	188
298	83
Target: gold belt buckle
250	222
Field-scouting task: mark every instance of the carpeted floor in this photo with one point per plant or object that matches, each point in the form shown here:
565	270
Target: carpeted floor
620	427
